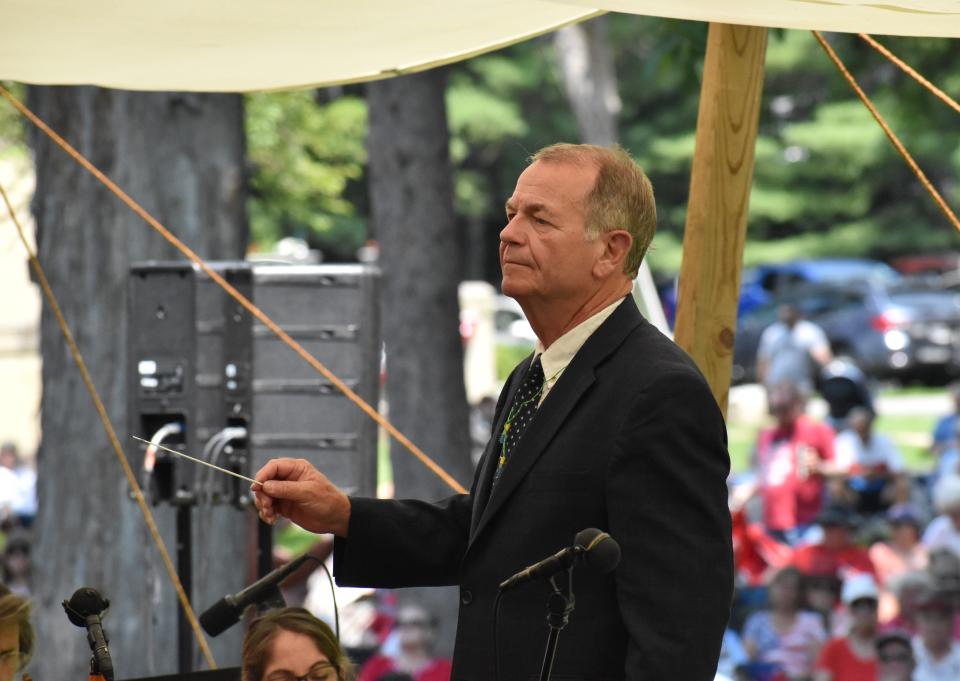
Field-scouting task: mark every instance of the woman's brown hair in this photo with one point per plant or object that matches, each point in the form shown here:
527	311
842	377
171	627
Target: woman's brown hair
259	641
16	609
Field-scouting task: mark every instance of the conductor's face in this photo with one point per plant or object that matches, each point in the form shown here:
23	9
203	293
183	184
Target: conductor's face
544	253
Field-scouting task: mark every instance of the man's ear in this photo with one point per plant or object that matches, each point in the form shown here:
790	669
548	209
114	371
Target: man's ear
616	246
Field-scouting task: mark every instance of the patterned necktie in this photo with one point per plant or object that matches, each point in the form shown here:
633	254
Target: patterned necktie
521	412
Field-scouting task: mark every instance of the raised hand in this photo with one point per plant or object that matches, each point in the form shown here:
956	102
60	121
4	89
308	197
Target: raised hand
294	489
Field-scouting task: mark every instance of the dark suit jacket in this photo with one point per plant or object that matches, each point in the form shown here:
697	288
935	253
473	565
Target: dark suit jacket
629	440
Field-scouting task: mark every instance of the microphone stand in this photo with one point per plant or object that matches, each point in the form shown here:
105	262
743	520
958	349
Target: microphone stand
559	607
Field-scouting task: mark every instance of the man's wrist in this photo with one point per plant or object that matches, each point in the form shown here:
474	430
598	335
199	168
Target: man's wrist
342	527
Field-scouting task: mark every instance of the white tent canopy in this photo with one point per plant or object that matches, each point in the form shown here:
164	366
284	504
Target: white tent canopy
935	18
243	45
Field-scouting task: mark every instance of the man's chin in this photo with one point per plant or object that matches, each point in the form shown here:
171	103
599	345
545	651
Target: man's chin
514	289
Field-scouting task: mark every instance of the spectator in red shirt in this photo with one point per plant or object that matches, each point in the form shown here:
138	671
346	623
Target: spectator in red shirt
791	459
853	657
836	555
414	630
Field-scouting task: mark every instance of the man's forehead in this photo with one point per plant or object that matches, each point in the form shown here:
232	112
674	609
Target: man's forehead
552	187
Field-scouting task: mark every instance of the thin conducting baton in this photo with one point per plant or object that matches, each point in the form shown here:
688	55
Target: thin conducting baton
201	461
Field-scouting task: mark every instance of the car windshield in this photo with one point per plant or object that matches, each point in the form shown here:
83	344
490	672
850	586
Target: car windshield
932	302
846	270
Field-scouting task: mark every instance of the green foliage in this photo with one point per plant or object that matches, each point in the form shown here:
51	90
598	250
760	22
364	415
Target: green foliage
508	356
826	180
13	136
307	159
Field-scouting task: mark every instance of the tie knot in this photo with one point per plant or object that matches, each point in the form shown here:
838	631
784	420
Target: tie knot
535	372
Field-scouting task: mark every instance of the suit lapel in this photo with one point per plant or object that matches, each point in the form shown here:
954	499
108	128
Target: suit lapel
552	414
489	459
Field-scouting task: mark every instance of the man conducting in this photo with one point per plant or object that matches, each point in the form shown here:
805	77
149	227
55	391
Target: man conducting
607	425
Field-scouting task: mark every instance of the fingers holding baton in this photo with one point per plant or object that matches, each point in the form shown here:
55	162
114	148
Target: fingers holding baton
295	489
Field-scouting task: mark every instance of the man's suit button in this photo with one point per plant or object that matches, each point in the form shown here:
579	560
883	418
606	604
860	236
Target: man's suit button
466	597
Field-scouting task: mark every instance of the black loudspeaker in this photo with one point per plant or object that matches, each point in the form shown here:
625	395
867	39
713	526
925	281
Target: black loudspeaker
333	312
203	369
189	363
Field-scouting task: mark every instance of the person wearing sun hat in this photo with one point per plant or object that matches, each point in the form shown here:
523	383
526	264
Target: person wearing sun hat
853	657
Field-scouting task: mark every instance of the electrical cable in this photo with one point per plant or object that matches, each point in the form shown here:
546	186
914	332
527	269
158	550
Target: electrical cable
151	576
204	481
333	595
150	455
211	453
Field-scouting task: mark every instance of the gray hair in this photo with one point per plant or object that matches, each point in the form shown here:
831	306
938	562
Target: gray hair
946	494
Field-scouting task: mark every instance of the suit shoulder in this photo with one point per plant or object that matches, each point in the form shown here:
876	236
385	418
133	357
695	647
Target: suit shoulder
652	357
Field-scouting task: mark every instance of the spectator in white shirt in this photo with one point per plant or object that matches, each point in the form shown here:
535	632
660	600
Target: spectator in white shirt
873	466
18	483
936	653
944	530
792	349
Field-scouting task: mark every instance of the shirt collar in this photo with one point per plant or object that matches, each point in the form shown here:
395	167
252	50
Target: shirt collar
560	353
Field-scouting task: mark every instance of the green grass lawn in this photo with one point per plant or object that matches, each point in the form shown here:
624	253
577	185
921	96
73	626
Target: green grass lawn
509	356
912	434
910	431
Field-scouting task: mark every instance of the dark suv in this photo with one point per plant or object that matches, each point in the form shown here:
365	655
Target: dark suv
897	330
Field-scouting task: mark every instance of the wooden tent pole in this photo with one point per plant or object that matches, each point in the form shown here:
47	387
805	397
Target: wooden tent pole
719	196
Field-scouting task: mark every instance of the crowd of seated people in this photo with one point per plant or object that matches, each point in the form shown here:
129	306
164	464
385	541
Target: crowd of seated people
848	567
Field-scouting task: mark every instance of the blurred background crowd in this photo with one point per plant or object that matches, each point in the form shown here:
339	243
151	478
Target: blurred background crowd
848	545
846	527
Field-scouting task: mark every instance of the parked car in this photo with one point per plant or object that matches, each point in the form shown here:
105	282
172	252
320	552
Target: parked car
761	284
889	330
929	263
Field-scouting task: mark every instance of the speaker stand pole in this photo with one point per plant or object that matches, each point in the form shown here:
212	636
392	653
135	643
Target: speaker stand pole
184	504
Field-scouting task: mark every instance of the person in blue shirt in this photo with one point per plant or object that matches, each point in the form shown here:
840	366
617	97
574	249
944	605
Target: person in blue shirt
944	432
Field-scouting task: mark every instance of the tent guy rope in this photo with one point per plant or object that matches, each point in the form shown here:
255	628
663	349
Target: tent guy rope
886	129
910	71
111	433
234	293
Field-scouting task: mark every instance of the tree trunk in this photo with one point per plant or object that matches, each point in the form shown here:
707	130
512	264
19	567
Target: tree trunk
589	79
181	156
411	194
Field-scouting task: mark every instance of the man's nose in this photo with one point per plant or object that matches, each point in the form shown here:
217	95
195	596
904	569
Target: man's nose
512	232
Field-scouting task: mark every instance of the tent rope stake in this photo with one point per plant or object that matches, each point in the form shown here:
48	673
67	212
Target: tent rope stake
234	293
886	129
111	433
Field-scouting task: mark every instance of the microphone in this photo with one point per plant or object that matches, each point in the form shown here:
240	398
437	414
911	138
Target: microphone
228	610
597	549
84	609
